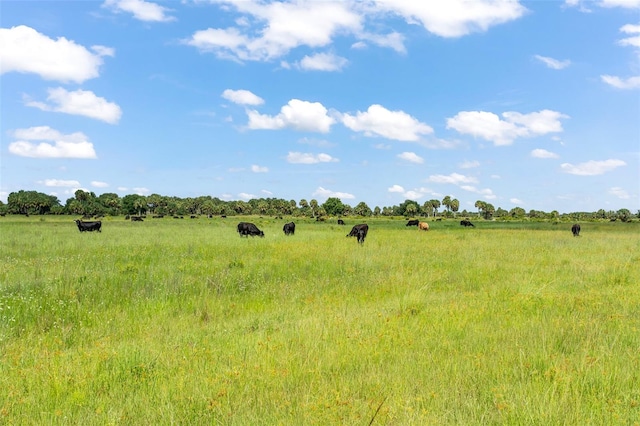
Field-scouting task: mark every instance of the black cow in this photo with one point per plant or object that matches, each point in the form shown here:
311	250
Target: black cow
289	228
137	219
575	229
359	231
340	222
413	222
246	228
89	226
466	222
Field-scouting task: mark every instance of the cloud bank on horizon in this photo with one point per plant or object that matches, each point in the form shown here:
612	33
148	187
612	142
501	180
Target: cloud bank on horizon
365	100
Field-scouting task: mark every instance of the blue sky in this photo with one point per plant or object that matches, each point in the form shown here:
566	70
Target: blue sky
520	104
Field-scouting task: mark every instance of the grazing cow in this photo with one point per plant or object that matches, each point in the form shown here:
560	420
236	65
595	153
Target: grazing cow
289	228
136	219
340	222
413	222
246	228
423	226
89	226
466	222
575	229
359	231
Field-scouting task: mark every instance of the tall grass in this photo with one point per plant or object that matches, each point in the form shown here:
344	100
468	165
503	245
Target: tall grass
183	321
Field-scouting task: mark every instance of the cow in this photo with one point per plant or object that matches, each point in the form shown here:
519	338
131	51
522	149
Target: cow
89	226
137	219
340	222
289	228
359	231
413	222
246	228
423	226
466	222
575	229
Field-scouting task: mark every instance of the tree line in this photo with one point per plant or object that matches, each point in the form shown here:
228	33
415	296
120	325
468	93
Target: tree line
87	203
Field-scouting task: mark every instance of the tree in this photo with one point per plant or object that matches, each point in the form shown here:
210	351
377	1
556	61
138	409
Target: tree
362	209
455	206
314	207
517	212
333	206
436	205
446	201
411	210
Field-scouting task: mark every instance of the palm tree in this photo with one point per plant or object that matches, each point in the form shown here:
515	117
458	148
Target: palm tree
455	206
436	206
446	201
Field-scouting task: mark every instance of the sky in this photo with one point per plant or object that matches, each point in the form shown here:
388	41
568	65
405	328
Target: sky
531	104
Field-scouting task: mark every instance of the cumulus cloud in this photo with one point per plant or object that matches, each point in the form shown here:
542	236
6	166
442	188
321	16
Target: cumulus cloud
307	158
259	169
269	30
141	10
280	27
322	62
516	201
621	83
246	196
453	178
414	194
619	192
25	50
486	193
327	193
411	157
634	40
79	102
553	63
543	153
379	121
469	164
98	184
592	168
455	18
242	97
297	115
60	183
56	145
491	127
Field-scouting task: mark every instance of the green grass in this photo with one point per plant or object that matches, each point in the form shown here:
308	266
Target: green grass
182	321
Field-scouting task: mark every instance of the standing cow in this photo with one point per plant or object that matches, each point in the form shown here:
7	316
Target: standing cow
575	230
466	222
289	228
340	222
359	231
413	222
423	226
89	226
246	228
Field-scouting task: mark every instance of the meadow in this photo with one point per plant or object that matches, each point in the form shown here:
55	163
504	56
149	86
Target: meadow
183	322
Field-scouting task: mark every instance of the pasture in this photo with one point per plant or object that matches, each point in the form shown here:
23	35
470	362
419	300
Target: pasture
172	321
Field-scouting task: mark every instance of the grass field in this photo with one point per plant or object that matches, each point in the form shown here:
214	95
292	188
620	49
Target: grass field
183	322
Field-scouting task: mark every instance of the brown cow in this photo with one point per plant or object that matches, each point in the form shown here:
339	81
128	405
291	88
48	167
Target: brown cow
423	226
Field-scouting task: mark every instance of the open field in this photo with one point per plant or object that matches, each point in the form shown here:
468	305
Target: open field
182	321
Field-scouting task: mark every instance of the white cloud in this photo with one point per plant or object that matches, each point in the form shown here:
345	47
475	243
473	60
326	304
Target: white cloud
58	145
141	190
553	63
242	97
396	188
411	157
454	18
469	164
326	193
24	50
307	158
282	26
98	184
629	4
619	192
246	196
322	62
453	178
297	115
61	183
141	10
486	193
259	169
489	126
379	121
592	168
543	153
633	41
79	102
621	83
414	194
516	201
